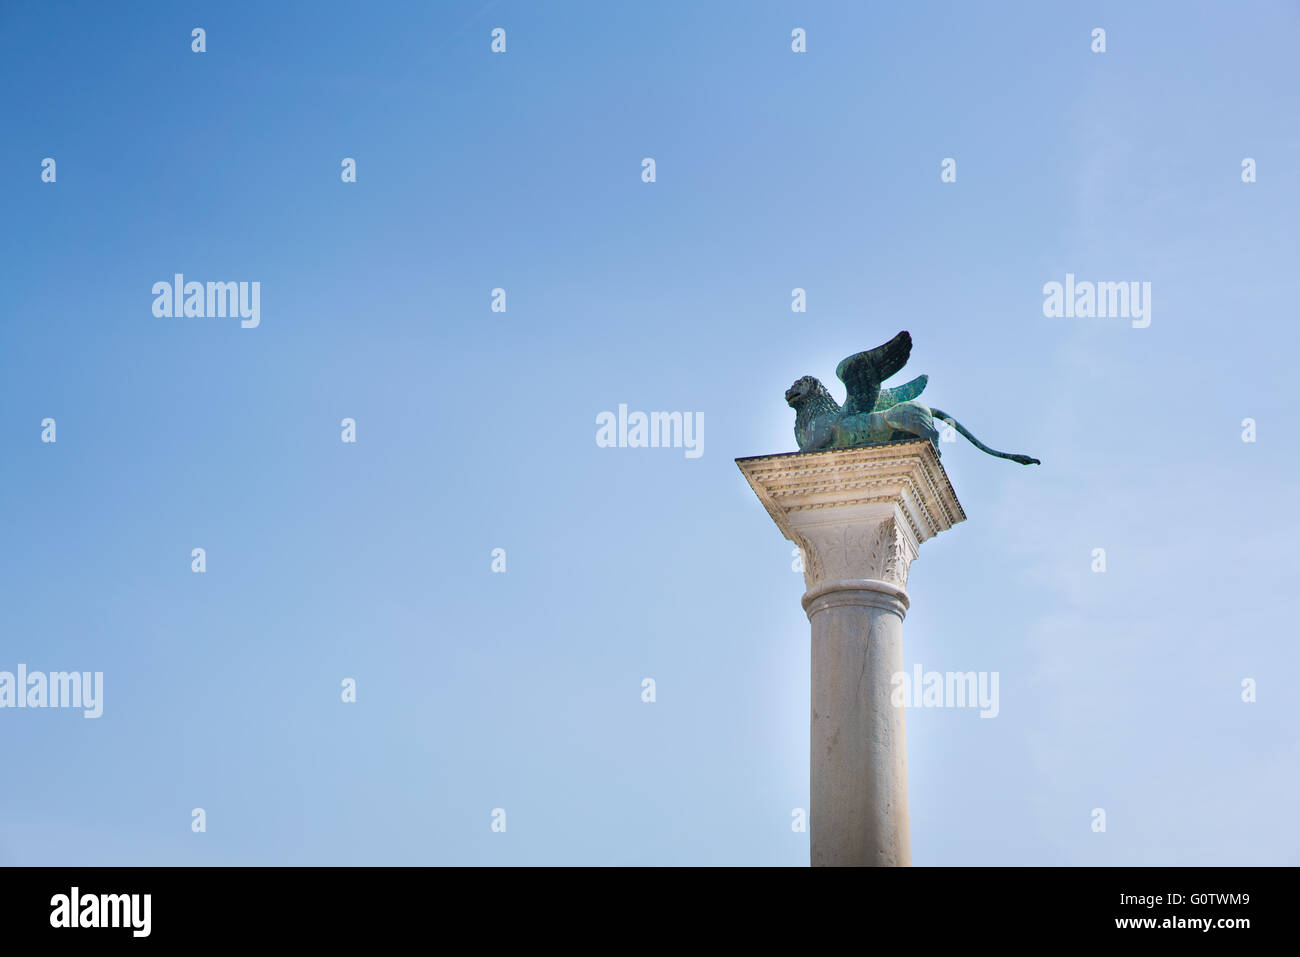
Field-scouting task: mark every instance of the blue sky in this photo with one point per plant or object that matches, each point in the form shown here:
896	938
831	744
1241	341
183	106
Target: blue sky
476	429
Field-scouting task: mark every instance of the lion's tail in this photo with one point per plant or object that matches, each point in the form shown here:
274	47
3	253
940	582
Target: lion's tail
1022	459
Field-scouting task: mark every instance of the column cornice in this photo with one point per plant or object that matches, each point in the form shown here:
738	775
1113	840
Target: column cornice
856	514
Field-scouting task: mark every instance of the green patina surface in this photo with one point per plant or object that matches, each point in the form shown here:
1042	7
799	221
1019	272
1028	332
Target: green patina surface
872	414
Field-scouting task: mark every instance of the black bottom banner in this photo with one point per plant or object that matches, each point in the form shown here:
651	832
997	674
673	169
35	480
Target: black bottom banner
1151	906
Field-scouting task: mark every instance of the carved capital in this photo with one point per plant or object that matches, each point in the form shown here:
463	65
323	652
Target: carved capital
876	549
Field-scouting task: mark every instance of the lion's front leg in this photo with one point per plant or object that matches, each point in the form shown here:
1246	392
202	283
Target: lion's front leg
914	419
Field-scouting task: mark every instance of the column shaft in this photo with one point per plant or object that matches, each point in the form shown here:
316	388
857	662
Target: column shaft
858	815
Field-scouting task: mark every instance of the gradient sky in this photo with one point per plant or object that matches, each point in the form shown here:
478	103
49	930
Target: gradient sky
476	429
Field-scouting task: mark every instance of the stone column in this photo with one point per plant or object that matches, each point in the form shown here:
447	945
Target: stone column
858	516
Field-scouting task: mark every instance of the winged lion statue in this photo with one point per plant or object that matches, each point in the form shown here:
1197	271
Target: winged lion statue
872	414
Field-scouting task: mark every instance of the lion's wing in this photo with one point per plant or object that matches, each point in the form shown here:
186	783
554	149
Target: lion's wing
863	372
904	393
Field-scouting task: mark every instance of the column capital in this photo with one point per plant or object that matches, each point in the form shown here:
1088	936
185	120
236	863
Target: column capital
856	514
